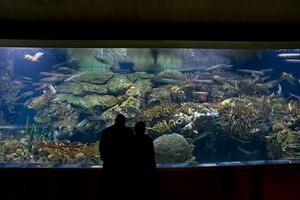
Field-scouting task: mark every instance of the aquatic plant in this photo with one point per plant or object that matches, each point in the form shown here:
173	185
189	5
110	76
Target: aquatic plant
240	115
157	113
68	153
42	101
161	127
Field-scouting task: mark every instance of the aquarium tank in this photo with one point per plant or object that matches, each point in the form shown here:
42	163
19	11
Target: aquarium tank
203	107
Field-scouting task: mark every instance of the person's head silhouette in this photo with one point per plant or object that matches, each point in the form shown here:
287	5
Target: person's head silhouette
140	128
120	120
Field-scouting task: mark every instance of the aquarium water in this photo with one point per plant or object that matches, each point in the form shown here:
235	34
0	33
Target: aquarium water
202	107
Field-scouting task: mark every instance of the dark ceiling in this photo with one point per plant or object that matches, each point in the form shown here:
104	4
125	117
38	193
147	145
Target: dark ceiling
200	11
43	17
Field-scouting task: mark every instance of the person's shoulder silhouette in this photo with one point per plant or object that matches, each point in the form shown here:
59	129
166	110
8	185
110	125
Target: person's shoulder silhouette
145	149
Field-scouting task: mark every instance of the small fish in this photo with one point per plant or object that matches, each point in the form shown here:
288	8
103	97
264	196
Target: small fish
12	127
265	78
68	62
33	58
168	80
219	66
74	76
53	79
201	136
200	93
250	71
292	60
66	69
52	88
200	81
279	91
19	83
82	123
240	140
26	78
244	150
288	55
295	96
51	74
288	77
45	85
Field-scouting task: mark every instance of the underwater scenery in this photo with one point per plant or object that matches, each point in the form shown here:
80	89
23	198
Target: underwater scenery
201	106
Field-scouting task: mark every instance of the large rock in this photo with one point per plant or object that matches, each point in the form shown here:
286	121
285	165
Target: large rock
118	84
172	148
140	88
101	102
83	88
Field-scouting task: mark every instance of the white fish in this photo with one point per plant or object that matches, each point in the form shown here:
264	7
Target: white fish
288	55
279	91
295	96
52	89
33	58
74	76
293	60
219	66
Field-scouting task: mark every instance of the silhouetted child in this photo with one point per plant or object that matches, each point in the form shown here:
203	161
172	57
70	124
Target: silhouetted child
145	163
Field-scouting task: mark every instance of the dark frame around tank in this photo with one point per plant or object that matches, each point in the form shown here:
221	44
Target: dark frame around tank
150	44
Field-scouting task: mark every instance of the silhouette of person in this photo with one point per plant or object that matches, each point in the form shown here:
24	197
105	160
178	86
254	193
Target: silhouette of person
116	152
145	163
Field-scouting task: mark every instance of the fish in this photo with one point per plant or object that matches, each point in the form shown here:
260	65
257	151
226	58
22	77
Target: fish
43	86
51	74
240	140
200	81
219	66
52	88
295	96
68	62
279	91
74	76
168	80
288	77
12	127
53	79
82	123
200	136
244	150
200	93
250	71
292	60
24	95
18	83
288	55
26	78
66	69
33	58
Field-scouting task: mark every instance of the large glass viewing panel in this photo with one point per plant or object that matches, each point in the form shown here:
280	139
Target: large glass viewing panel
202	106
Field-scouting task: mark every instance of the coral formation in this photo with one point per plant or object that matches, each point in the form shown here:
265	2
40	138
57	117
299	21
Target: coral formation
172	148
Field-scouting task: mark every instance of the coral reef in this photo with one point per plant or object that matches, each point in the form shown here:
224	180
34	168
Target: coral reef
42	101
68	153
172	148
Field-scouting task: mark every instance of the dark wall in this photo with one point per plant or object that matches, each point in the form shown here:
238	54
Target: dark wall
150	31
248	182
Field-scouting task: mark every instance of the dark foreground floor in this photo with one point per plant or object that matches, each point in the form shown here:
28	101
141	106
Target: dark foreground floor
225	182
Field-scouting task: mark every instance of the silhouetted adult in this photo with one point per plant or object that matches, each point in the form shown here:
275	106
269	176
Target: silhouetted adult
116	152
145	163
